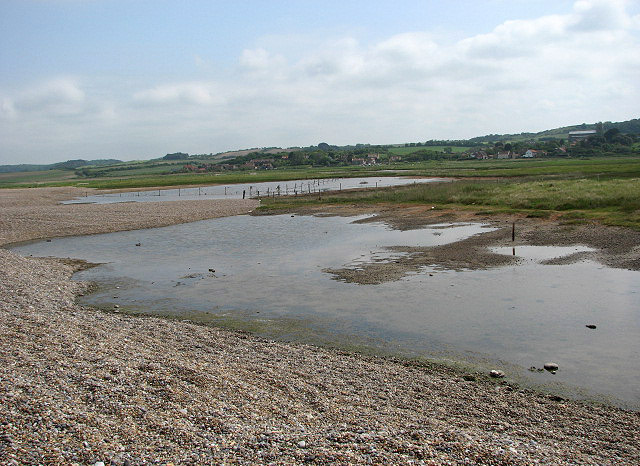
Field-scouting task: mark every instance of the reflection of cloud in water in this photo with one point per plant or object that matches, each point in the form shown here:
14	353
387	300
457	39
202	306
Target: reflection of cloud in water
272	266
542	253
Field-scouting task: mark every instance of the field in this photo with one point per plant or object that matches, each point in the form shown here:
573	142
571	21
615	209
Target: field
607	191
138	174
45	176
577	190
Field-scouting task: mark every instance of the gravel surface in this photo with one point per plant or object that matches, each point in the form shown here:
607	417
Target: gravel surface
29	214
82	386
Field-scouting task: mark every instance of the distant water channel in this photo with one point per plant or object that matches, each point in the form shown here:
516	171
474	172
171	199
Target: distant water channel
248	190
267	274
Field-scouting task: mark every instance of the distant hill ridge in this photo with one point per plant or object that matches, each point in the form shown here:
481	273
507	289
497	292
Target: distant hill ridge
626	127
68	165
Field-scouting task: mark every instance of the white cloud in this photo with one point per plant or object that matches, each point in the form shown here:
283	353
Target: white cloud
7	109
180	93
598	15
522	75
61	96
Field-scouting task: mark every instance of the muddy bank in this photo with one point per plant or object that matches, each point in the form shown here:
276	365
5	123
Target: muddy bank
614	246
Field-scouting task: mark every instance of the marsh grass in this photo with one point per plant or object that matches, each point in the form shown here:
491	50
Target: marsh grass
611	201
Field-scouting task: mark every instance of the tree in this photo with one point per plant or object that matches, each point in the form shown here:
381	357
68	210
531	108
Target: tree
610	134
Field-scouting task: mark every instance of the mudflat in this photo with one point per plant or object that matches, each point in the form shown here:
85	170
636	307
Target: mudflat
80	386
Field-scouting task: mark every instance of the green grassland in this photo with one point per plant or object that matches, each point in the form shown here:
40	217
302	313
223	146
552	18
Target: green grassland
136	174
17	179
611	202
603	189
606	191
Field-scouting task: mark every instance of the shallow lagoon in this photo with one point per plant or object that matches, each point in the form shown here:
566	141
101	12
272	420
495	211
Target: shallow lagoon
268	276
240	190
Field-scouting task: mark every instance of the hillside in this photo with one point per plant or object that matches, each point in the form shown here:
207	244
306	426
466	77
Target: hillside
68	165
625	127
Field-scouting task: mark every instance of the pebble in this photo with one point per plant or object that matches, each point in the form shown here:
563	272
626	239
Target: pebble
551	366
591	326
237	387
496	374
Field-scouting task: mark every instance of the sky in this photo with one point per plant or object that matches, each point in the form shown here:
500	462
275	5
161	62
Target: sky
138	79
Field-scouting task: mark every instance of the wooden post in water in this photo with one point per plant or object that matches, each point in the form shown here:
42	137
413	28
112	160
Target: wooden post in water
179	192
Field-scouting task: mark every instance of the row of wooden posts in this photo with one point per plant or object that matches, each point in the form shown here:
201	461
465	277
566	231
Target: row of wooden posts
302	188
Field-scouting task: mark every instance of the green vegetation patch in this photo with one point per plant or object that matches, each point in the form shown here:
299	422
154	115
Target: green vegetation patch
610	201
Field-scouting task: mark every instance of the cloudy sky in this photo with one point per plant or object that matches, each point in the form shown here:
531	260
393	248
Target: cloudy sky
136	79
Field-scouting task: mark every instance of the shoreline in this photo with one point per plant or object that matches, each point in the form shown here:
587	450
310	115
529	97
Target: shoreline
79	385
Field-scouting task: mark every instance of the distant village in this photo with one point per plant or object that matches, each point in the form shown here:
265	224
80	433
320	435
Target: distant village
323	154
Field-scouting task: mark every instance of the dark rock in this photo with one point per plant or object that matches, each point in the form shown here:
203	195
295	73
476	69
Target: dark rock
591	326
469	377
551	367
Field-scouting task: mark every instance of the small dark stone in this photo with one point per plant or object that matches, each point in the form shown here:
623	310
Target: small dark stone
469	377
211	270
591	326
551	367
48	241
138	244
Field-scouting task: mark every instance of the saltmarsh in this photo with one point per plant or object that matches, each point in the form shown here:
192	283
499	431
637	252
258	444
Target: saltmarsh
611	201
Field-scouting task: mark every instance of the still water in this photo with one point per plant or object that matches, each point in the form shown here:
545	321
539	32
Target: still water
267	274
237	191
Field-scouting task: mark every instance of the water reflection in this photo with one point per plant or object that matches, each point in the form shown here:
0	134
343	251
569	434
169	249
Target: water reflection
266	274
251	190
